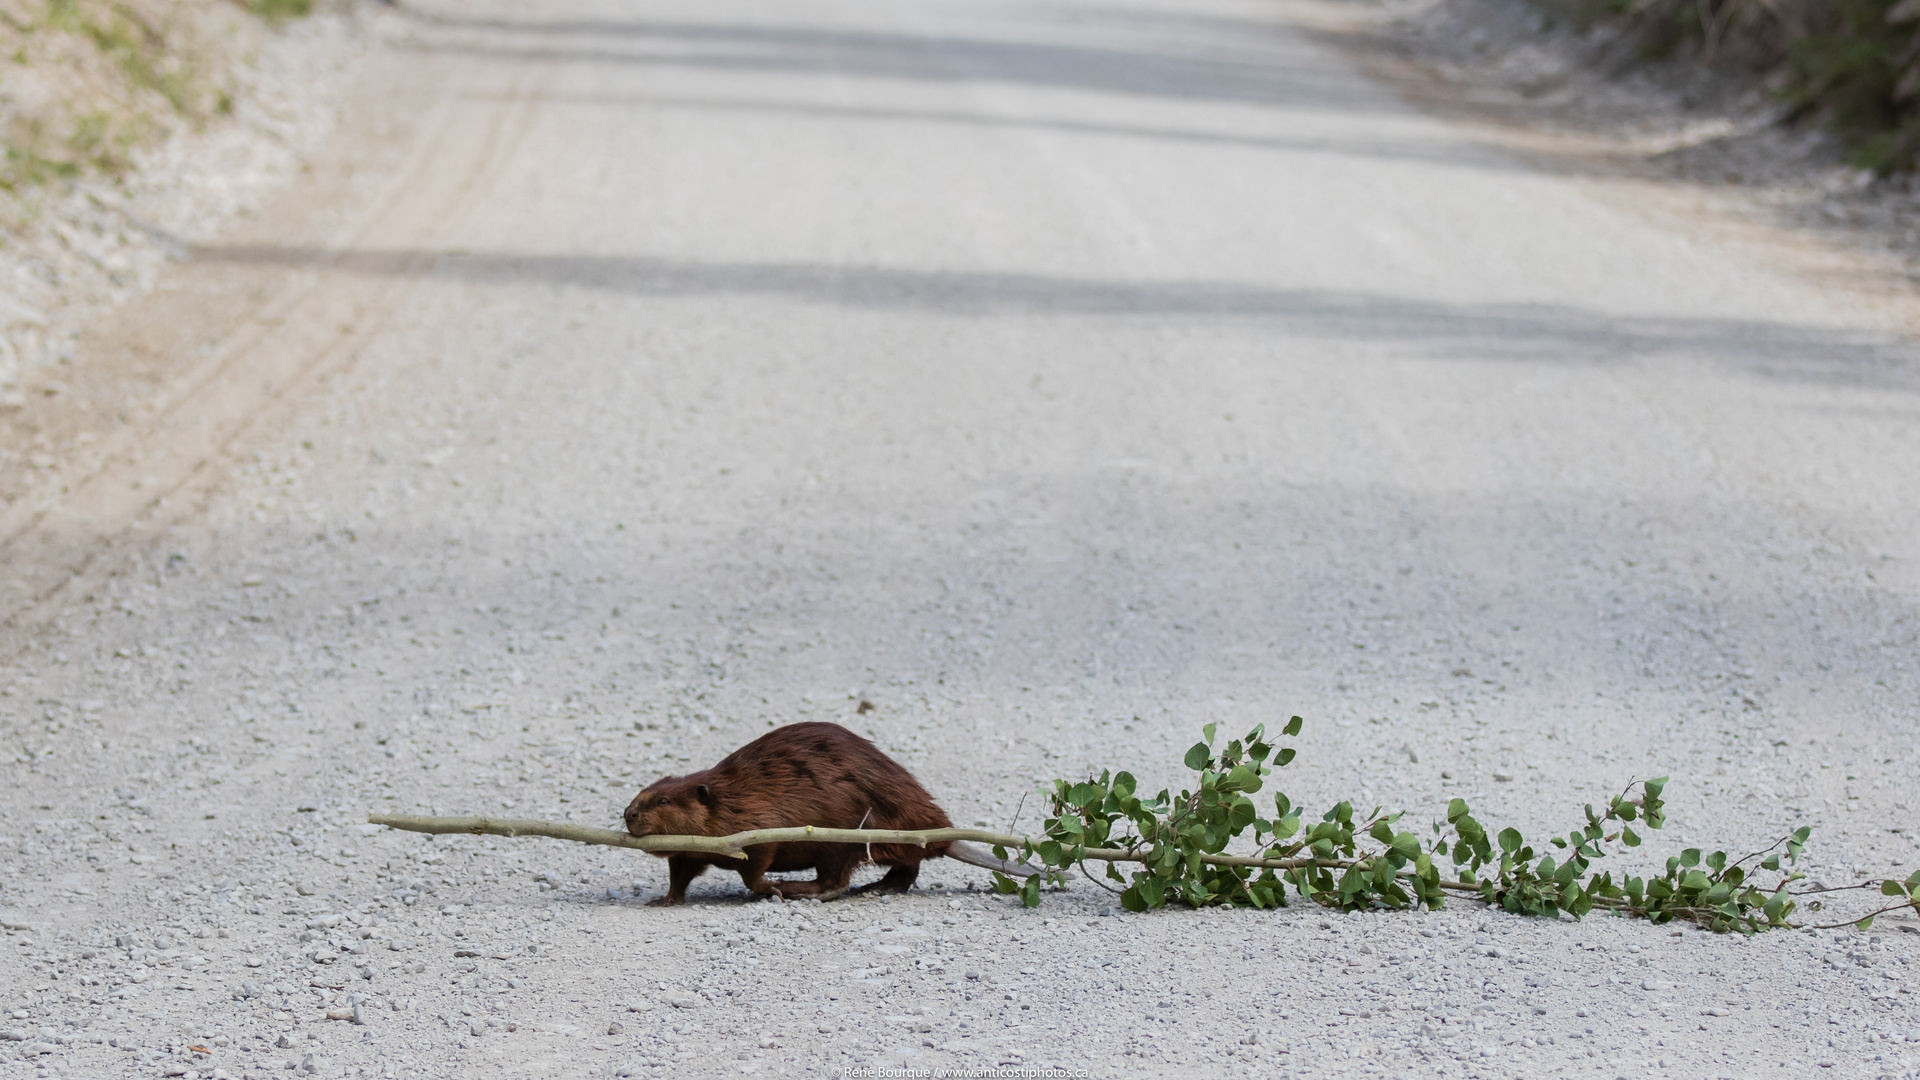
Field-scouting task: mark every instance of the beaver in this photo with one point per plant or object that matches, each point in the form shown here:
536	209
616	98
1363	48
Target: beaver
816	774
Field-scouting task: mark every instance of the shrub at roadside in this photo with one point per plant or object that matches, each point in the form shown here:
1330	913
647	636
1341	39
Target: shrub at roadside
1853	65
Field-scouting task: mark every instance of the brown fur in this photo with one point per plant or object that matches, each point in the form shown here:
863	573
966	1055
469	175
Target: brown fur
803	774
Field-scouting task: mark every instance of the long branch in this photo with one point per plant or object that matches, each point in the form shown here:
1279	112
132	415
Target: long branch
734	846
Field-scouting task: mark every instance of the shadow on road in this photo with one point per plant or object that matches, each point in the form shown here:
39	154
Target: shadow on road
1531	333
1259	68
1435	151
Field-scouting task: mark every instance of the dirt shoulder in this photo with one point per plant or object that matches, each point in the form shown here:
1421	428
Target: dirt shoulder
103	334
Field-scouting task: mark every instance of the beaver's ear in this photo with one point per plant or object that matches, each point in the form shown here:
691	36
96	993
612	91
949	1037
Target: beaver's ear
704	794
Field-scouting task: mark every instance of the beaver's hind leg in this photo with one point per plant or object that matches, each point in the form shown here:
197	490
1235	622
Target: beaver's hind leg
830	876
898	880
754	874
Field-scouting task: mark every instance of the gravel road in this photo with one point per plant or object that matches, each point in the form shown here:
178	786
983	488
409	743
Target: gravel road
625	381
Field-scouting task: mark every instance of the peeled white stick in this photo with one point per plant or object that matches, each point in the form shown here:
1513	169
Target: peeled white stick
965	844
980	855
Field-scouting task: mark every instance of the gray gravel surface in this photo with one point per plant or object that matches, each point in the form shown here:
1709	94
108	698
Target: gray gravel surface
1057	378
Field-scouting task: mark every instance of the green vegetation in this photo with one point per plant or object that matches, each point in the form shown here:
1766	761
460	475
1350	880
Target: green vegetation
117	75
1853	65
1354	861
279	11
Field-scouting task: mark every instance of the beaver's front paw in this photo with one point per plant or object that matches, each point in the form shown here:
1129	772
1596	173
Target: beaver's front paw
664	901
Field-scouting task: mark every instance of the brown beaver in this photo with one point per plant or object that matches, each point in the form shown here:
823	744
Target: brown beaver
803	774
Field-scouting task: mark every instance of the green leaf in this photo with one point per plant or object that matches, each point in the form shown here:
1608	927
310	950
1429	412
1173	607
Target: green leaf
1207	730
1285	755
1891	887
1130	899
1510	839
1030	892
1690	857
1655	786
1382	832
1629	837
1864	924
1292	728
1003	884
1198	756
1244	779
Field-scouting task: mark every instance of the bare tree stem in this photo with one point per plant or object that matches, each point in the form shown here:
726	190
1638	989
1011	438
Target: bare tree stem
735	846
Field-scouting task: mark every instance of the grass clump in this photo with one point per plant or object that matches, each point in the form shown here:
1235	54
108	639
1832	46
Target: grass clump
93	81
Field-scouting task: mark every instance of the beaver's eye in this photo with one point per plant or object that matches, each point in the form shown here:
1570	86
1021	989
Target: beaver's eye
664	802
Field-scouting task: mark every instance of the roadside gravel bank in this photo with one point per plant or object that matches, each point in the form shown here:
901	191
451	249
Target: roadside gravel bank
74	252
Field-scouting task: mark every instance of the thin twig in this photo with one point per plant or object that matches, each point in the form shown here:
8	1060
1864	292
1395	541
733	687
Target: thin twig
1854	921
1088	874
1818	889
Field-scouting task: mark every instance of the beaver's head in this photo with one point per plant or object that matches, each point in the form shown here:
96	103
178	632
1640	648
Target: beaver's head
672	806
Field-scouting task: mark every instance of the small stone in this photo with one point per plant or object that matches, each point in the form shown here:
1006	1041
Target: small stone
616	1028
973	976
359	1013
309	1065
1503	777
1655	984
304	889
682	1001
15	1035
285	1042
476	1028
